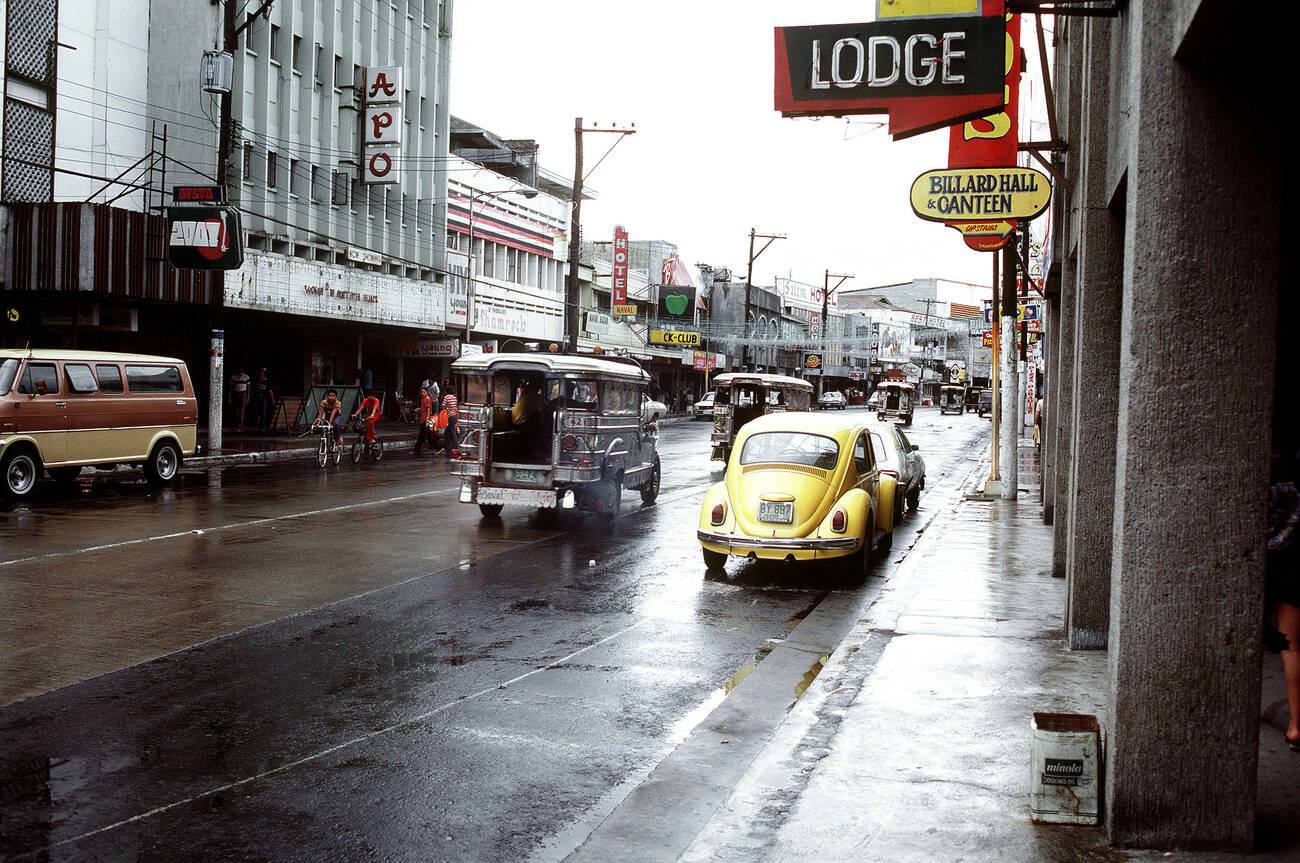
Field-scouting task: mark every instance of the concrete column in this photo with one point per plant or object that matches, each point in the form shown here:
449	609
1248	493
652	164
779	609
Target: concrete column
216	385
1048	488
1061	400
1188	560
1070	49
1098	306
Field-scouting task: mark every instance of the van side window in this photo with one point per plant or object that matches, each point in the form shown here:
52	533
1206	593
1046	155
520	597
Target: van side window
40	379
110	379
80	380
153	379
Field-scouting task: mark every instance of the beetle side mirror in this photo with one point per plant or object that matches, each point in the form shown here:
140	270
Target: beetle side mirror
915	448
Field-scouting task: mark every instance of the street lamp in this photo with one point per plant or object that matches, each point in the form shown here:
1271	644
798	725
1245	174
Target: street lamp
521	190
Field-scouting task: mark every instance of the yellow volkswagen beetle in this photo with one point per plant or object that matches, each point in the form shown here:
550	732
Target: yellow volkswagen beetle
800	487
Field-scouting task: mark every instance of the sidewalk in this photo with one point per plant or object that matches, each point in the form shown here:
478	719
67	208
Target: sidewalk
913	743
254	447
257	447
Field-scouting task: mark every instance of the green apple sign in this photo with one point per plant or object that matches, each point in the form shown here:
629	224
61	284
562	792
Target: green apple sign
676	301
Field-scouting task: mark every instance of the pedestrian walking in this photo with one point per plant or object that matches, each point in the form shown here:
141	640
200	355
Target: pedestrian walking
451	405
1038	422
263	399
240	382
425	431
1283	582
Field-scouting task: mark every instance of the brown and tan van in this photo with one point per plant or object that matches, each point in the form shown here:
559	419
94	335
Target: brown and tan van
63	410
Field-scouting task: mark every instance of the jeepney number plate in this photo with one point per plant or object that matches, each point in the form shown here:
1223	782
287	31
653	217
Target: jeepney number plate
525	496
779	512
528	476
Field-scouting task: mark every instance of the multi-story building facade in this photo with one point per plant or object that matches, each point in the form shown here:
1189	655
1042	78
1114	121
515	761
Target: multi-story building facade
341	274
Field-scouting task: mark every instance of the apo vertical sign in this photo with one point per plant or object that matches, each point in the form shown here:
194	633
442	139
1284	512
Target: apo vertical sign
381	138
618	277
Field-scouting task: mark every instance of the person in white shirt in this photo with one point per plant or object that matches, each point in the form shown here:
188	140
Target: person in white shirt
239	384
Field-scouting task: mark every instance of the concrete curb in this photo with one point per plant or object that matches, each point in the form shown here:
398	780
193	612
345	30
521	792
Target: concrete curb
226	459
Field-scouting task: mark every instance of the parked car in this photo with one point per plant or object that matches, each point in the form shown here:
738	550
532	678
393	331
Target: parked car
800	487
64	410
985	405
652	410
703	409
831	400
900	457
876	400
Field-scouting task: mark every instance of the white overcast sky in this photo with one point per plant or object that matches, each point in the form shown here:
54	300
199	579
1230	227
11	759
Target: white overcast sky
711	157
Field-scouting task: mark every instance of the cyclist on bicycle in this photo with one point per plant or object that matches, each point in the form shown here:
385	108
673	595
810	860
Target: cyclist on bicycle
368	411
331	413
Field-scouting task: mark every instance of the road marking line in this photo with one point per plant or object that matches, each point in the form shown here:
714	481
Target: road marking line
238	525
335	748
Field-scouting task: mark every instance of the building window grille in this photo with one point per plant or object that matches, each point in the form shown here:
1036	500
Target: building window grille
246	168
271	169
316	196
275	43
318	61
296	58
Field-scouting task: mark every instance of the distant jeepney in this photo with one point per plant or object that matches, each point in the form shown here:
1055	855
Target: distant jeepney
553	431
743	396
898	402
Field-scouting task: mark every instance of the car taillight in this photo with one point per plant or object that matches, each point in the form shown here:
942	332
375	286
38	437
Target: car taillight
719	514
839	521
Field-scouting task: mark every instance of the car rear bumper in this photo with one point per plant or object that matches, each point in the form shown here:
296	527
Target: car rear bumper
801	548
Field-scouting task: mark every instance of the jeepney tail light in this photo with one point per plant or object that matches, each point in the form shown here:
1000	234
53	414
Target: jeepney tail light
569	443
839	521
719	514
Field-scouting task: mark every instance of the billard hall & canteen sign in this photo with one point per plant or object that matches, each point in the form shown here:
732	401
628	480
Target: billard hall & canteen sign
970	194
925	72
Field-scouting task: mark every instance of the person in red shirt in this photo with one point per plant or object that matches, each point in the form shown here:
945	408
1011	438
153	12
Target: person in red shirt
425	432
452	406
368	411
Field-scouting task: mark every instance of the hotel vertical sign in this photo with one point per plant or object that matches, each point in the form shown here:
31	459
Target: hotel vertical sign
618	277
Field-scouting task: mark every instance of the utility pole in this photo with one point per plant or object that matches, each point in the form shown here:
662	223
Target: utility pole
572	296
1009	432
993	486
230	33
749	286
827	290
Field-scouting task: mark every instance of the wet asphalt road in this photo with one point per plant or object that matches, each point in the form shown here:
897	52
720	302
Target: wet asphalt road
404	681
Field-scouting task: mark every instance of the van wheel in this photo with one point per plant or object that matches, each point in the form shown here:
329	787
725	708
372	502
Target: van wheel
650	490
491	510
19	470
163	464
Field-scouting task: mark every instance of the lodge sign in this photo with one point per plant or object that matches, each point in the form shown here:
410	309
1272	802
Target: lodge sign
969	194
868	68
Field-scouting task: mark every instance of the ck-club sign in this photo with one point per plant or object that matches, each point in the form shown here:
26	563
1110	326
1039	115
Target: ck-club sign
381	149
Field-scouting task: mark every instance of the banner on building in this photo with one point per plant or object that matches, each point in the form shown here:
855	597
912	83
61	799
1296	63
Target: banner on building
205	237
381	148
990	141
925	71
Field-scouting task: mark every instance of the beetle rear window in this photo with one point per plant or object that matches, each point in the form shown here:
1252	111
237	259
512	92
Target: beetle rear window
800	448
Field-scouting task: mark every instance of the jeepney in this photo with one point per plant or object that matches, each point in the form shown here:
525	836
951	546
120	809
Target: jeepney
743	396
551	432
898	402
952	399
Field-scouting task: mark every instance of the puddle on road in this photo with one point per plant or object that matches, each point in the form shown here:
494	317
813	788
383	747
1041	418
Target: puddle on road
809	676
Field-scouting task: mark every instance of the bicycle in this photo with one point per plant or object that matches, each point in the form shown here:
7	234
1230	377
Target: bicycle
329	446
360	447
